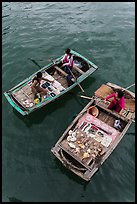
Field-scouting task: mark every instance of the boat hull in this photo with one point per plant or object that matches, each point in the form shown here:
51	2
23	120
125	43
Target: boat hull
70	152
13	94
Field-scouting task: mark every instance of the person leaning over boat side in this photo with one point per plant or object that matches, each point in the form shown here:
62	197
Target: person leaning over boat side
118	103
36	89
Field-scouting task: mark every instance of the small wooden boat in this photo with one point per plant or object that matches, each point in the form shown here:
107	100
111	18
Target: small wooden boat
22	98
94	133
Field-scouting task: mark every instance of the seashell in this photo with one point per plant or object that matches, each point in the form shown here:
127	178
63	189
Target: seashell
71	145
77	149
88	150
69	138
70	132
85	155
73	134
73	139
82	146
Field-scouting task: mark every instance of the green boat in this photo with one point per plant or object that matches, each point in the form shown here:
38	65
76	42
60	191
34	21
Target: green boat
22	98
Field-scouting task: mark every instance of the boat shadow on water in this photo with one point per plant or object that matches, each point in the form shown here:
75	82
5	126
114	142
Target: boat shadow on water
14	199
70	174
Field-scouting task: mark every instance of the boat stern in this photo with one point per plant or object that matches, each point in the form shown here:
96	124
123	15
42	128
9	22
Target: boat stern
14	104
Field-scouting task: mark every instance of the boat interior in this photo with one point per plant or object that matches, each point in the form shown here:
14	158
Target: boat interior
23	95
90	136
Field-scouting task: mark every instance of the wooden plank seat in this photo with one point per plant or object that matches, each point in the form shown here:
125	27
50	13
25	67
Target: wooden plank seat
62	72
78	69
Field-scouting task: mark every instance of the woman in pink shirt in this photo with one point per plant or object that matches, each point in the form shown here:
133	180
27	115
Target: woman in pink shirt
67	65
66	56
70	61
67	61
118	103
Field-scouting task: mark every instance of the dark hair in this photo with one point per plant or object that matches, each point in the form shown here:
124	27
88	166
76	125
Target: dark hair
39	75
120	93
67	51
70	55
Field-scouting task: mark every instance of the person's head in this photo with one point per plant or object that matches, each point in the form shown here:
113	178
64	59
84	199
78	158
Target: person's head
39	75
67	51
120	93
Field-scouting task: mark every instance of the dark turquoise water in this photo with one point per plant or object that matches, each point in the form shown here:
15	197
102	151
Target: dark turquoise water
105	34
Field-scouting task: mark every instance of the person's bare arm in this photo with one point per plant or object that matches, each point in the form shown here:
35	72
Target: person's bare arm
33	87
47	80
121	111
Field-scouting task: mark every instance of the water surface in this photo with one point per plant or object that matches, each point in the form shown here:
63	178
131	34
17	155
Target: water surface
104	33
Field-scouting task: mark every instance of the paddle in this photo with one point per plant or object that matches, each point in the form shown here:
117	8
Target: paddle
76	81
128	87
34	62
86	97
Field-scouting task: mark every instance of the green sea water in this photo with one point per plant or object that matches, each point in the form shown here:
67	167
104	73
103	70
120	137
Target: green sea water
104	32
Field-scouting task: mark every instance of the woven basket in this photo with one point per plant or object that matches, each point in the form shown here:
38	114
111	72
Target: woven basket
93	111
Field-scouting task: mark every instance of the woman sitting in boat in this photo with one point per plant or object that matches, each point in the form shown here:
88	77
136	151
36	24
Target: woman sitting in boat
36	88
67	61
67	64
118	103
66	56
67	67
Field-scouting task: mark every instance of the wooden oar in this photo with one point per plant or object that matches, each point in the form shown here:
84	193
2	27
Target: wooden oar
87	97
35	62
76	80
90	98
73	77
129	87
